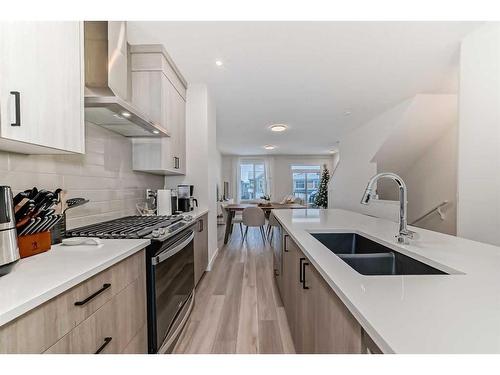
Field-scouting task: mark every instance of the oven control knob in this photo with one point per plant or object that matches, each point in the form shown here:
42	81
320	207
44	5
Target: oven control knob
162	231
155	233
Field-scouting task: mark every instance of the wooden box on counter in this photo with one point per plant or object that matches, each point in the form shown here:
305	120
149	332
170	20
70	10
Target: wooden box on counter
33	244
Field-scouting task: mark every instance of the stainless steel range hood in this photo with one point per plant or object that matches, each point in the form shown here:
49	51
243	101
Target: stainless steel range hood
107	82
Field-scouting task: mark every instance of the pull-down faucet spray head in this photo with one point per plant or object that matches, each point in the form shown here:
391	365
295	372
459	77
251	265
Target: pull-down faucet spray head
369	194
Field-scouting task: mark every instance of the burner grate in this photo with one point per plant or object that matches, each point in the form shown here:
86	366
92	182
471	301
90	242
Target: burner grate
125	227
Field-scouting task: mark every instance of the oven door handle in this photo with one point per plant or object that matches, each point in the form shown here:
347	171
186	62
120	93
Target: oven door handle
171	252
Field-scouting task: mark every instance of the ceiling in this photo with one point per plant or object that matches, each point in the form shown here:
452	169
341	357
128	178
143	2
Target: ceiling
309	75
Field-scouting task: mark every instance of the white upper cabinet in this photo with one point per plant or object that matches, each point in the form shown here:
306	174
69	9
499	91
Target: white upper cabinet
159	91
41	87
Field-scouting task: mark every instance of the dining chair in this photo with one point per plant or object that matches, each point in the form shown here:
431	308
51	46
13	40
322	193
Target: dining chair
237	219
271	224
254	217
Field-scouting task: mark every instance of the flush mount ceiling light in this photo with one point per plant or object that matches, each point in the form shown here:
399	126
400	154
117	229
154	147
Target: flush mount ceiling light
269	147
219	62
278	127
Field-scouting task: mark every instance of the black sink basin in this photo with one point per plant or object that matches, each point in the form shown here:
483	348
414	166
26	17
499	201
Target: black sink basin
371	258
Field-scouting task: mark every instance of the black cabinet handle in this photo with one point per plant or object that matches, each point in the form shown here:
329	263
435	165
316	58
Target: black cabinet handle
284	242
301	269
17	98
304	264
177	163
92	296
200	226
107	340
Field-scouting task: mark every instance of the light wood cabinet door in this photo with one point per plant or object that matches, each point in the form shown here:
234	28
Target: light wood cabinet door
41	327
305	307
149	95
41	87
290	283
335	329
111	328
180	137
158	91
319	321
201	248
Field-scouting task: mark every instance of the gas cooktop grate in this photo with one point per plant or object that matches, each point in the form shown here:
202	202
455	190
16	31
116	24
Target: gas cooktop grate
125	227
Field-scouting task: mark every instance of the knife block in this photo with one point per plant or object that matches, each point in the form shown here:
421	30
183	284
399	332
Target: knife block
33	244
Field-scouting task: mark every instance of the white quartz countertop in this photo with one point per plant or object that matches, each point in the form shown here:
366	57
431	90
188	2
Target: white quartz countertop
196	213
456	313
39	278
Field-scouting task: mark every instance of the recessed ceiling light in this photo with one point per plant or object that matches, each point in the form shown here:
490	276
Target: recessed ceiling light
269	147
126	114
278	127
219	62
332	151
156	132
347	113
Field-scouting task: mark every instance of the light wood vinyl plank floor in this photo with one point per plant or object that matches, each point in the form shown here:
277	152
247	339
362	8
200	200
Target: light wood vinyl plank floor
237	305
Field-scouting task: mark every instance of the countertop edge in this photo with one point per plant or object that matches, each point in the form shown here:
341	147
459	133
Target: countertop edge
23	308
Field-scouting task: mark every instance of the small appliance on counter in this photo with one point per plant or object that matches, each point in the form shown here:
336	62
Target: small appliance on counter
164	202
9	250
185	200
174	201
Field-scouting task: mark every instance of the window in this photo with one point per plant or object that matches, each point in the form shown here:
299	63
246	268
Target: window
252	180
306	180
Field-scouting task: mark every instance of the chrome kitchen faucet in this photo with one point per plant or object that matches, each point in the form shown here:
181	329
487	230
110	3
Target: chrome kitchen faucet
404	234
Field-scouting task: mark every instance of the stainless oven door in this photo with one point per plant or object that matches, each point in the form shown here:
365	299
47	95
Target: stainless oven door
173	272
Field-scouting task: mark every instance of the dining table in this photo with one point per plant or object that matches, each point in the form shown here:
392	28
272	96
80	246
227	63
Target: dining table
232	208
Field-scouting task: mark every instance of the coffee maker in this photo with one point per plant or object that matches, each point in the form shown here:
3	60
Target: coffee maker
185	200
9	251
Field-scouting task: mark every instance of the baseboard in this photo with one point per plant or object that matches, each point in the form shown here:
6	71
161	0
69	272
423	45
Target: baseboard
211	262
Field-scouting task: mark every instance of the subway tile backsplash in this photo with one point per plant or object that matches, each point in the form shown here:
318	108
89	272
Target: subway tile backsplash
104	175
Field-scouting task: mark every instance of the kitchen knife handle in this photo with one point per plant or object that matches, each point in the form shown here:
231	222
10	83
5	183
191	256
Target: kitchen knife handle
92	296
17	98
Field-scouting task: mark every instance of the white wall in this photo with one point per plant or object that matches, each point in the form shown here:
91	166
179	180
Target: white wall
104	175
355	168
479	136
202	157
280	177
416	140
432	179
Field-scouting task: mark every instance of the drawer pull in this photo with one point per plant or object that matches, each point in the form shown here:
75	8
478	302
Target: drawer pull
107	340
304	264
284	243
92	296
301	269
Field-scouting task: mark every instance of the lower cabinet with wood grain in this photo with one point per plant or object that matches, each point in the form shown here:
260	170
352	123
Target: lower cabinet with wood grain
319	321
104	314
200	248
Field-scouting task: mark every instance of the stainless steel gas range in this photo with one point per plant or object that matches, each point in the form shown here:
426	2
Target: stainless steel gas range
169	273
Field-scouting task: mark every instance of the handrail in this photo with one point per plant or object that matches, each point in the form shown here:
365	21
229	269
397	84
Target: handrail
435	209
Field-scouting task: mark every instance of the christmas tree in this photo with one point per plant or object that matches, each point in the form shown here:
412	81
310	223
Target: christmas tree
321	199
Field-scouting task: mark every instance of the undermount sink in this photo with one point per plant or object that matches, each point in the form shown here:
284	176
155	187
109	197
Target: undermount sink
371	258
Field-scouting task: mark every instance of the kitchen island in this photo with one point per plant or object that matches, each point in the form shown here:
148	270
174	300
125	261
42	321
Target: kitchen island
456	312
